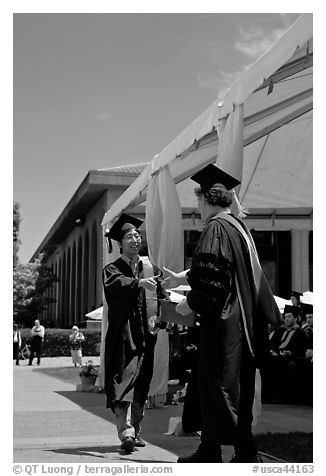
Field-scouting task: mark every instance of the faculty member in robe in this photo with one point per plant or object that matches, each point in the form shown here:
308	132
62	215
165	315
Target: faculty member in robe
233	300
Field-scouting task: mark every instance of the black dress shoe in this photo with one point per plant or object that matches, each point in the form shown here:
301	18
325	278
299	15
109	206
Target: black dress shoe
200	456
246	459
139	442
128	444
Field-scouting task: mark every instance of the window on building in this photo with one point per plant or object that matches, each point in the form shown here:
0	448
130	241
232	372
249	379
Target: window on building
274	251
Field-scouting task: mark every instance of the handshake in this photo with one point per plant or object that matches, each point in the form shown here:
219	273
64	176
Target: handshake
173	280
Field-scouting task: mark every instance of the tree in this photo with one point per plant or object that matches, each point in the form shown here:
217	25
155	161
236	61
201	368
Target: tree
25	277
16	228
31	280
44	281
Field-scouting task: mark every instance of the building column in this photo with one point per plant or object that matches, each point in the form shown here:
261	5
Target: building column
300	260
56	293
70	288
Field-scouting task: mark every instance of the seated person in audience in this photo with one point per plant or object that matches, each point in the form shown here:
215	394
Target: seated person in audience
302	369
278	375
275	336
308	325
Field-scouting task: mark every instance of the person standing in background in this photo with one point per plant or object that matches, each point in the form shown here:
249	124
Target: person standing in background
38	333
76	340
17	342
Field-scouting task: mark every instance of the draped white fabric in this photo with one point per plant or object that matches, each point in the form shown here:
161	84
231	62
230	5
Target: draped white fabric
164	221
230	144
165	247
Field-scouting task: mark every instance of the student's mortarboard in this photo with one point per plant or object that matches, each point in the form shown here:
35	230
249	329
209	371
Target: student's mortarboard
211	175
296	294
120	227
290	309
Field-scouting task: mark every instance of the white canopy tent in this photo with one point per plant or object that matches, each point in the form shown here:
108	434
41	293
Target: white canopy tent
272	93
263	114
97	314
308	297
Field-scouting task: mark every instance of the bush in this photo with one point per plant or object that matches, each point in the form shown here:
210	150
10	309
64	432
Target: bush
56	342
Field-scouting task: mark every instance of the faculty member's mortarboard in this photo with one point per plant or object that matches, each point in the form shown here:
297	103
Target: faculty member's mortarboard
211	175
291	309
120	227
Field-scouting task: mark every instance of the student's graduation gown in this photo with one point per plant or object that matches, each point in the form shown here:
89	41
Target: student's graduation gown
129	346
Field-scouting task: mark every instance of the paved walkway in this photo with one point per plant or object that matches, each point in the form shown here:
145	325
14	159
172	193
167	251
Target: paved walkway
55	424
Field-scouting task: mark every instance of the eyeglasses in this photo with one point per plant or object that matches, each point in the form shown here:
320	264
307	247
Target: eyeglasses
136	237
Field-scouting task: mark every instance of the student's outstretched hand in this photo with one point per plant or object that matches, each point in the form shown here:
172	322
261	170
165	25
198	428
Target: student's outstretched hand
149	283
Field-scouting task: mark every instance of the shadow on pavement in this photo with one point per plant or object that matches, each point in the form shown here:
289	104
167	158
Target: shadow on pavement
154	425
101	452
155	420
86	450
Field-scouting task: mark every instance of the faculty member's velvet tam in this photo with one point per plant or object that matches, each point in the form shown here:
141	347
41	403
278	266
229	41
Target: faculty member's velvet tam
120	227
211	175
291	309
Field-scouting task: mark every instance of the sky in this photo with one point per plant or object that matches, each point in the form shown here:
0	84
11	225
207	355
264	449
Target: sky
97	90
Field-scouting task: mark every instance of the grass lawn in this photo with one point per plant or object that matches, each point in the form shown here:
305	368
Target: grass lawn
294	447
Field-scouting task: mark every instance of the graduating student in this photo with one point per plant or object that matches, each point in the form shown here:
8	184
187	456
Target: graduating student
232	297
284	363
132	290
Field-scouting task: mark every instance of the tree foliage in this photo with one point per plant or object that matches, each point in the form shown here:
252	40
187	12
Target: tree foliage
16	228
25	277
31	281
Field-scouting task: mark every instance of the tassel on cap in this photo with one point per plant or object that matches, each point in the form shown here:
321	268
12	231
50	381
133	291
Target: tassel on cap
109	242
242	212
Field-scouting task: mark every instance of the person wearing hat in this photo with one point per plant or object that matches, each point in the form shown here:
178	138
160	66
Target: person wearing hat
295	298
17	340
76	340
234	304
132	291
282	365
293	342
305	366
